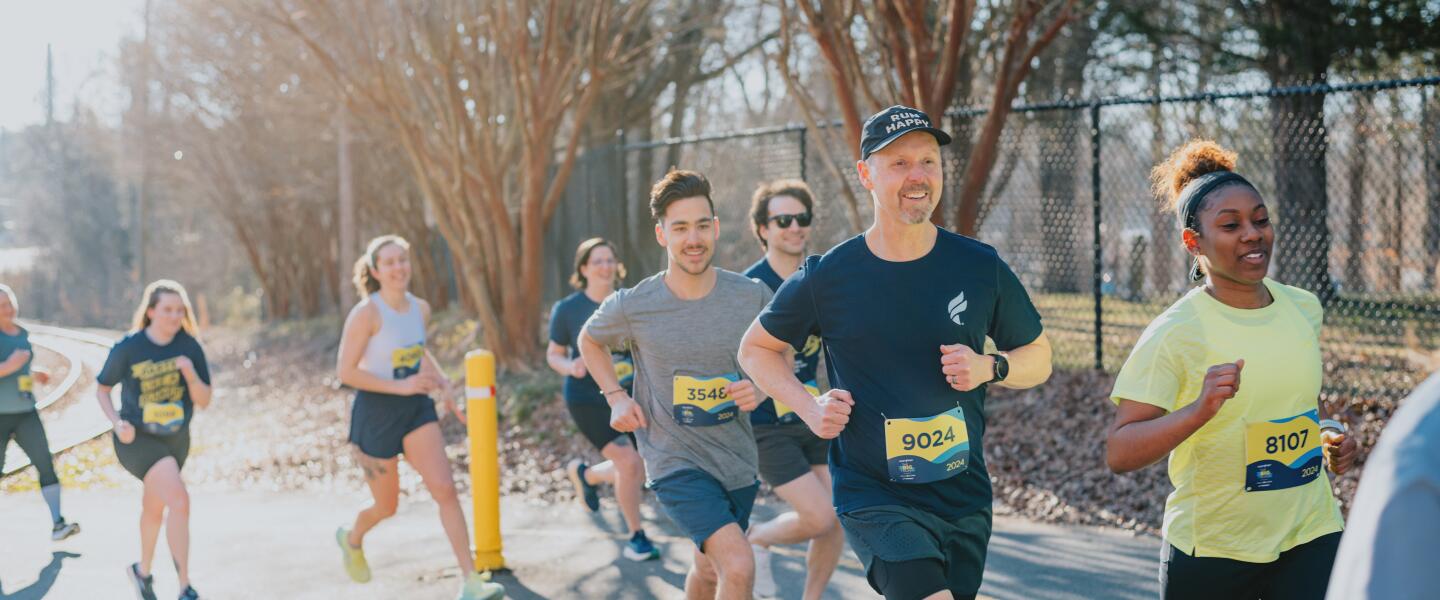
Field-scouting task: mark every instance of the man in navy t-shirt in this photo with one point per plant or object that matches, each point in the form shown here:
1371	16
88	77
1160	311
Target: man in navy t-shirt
904	311
792	458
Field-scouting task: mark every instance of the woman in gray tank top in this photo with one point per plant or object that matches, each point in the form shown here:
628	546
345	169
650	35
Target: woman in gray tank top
383	357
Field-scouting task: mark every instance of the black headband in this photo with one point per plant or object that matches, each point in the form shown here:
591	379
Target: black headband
1194	194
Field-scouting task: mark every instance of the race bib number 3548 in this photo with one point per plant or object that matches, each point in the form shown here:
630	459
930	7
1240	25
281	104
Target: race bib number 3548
1283	453
927	449
702	401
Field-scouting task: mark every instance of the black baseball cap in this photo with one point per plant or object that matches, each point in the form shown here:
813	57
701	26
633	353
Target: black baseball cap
888	125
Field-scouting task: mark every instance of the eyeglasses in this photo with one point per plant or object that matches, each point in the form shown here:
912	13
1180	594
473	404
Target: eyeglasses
784	221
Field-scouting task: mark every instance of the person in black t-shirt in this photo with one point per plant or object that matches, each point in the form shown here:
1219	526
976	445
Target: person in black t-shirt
163	377
904	311
597	270
792	458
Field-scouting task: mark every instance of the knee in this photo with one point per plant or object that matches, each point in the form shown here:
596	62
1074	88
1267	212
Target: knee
820	523
629	461
384	509
48	478
178	503
737	568
702	569
444	492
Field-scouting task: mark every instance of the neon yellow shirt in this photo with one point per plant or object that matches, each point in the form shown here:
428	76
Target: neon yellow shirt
1289	501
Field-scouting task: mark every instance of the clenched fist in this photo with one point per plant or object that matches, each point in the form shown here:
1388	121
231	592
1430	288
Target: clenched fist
831	414
1222	382
743	393
625	413
965	369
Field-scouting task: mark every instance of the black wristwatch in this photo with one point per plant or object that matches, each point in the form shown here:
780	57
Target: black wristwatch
1002	368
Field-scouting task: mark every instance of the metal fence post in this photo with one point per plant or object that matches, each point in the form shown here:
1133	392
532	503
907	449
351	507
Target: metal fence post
1097	277
803	131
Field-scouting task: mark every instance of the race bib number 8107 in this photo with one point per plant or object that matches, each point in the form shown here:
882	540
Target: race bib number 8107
1283	453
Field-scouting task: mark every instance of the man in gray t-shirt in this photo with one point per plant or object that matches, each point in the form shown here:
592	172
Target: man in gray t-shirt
1393	533
689	413
695	339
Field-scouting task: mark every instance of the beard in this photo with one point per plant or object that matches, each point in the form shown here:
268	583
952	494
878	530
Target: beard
917	214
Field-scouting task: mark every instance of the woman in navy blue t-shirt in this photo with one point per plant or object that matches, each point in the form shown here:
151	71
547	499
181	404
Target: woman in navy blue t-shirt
163	377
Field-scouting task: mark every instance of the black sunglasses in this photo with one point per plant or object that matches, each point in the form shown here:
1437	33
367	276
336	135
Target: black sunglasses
784	220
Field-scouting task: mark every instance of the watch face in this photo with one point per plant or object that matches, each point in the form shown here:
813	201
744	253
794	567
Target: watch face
1002	368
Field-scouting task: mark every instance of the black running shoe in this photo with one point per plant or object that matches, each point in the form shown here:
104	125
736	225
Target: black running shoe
144	586
190	594
587	493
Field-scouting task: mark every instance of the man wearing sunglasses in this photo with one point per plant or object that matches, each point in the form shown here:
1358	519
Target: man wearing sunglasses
792	458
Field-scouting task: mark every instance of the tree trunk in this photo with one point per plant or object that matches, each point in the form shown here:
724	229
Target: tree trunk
1356	215
1297	129
1060	155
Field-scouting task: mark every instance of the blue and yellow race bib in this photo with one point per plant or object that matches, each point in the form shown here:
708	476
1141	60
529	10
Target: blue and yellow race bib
27	387
1283	453
163	418
702	401
405	362
927	449
624	369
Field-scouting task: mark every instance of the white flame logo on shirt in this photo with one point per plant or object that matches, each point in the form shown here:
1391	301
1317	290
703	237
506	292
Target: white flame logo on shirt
958	306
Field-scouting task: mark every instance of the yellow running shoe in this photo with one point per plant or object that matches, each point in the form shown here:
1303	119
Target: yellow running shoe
479	587
352	557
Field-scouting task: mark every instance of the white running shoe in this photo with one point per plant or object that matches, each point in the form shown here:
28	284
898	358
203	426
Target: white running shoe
764	578
64	530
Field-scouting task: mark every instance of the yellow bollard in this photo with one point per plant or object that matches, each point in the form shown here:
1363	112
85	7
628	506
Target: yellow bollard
482	415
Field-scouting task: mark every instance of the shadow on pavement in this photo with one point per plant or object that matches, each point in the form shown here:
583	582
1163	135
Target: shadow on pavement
1047	567
43	583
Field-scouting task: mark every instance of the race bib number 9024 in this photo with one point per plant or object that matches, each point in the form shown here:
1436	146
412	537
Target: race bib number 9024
927	449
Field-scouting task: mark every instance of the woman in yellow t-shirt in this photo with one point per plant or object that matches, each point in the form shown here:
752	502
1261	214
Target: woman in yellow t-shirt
1252	514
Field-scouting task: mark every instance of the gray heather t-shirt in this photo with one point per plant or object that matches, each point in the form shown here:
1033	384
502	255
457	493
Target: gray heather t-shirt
700	338
1393	533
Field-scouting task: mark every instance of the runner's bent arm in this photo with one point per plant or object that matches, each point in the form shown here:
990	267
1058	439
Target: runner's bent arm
558	358
1029	364
1142	434
766	359
14	362
107	405
200	392
599	363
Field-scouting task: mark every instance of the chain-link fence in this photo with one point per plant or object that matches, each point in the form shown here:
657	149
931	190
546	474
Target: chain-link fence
1351	172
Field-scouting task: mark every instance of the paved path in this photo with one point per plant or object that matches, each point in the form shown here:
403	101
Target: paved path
280	545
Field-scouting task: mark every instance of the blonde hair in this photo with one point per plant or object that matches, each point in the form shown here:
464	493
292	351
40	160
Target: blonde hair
151	298
14	302
365	281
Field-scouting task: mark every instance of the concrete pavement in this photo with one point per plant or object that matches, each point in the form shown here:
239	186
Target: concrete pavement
250	544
